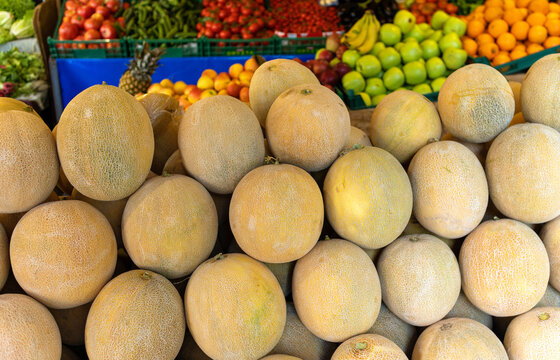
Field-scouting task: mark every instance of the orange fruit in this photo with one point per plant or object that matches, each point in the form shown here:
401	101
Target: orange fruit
506	41
484	38
554	7
520	30
470	46
553	27
536	19
501	58
537	34
497	27
492	13
489	50
533	48
522	3
166	83
517	54
509	4
553	15
552	41
520	47
512	16
179	87
475	28
539	6
479	9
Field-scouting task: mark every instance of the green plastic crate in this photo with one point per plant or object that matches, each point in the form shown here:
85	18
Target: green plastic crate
238	47
300	45
520	65
173	47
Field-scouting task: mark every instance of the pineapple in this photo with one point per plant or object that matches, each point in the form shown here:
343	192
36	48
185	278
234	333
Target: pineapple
138	77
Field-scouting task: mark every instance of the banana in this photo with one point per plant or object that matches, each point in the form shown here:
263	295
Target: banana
371	37
362	37
355	31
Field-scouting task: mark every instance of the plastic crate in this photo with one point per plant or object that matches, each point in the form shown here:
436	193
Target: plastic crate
173	47
520	65
238	47
300	45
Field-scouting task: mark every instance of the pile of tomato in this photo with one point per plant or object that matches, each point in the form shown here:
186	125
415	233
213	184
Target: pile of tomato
304	17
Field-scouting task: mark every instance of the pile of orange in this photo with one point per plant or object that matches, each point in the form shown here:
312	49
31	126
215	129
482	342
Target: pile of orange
506	30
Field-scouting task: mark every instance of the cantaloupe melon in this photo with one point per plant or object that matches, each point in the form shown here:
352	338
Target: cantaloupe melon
540	95
534	335
7	104
479	150
449	188
336	290
516	89
298	341
280	357
29	166
476	103
27	330
174	165
235	308
4	257
138	314
72	323
403	122
9	221
463	308
414	227
357	137
550	235
504	267
368	346
63	252
524	173
170	225
458	338
308	126
273	78
368	197
220	141
105	143
420	278
276	213
390	326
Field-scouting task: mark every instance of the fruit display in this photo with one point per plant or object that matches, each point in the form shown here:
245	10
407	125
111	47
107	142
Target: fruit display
304	18
91	20
508	30
425	9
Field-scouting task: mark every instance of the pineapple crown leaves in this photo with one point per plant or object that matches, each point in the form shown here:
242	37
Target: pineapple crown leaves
145	62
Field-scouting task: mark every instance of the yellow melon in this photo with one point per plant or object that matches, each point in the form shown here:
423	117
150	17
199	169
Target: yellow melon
476	103
360	204
449	187
63	253
433	280
271	79
72	323
550	235
458	338
220	141
29	166
298	341
479	150
516	89
105	142
170	225
174	165
276	213
308	126
4	257
403	122
7	104
336	290
534	335
390	326
463	308
280	357
368	346
414	227
540	94
357	137
27	330
524	173
504	267
138	314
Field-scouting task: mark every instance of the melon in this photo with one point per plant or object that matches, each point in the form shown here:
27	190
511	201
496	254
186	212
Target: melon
280	357
29	167
463	308
368	346
524	173
165	115
534	335
540	96
105	143
68	354
4	257
220	141
336	290
298	341
550	235
63	252
390	326
308	126
357	137
27	330
72	323
247	312
138	314
271	79
516	89
276	213
479	150
170	225
476	103
368	197
504	267
174	165
449	188
7	104
414	227
458	338
420	278
403	122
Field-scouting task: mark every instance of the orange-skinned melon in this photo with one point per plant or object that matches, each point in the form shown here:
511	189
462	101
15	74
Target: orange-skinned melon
174	165
368	346
357	137
7	104
550	235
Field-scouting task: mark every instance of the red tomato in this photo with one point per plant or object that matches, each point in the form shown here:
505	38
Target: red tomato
97	17
199	26
247	36
225	34
236	29
78	20
121	21
208	33
92	24
68	31
108	31
222	14
85	11
103	11
81	45
217	27
246	11
95	3
113	5
71	5
253	28
126	5
243	19
69	13
92	34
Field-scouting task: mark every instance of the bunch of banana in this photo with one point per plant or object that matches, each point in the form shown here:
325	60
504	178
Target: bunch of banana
363	34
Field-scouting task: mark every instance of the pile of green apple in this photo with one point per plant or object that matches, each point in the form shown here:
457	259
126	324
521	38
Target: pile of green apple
412	56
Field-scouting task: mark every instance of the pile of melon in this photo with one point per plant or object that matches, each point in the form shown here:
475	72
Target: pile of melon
278	231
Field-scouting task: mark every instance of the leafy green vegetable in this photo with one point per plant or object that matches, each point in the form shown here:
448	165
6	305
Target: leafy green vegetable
21	69
17	7
5	35
6	20
23	28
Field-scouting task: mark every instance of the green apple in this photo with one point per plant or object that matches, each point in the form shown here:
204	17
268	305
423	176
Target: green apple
435	67
368	66
389	58
455	25
375	86
450	40
415	73
438	19
398	46
393	78
390	34
377	99
454	58
410	40
410	52
437	83
405	20
428	32
377	48
365	97
350	57
437	35
422	88
430	49
334	61
416	33
424	26
354	81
